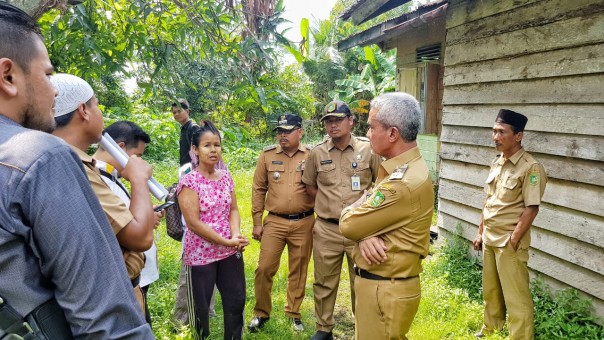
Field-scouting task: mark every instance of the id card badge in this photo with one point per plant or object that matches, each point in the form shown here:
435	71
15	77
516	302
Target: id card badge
356	182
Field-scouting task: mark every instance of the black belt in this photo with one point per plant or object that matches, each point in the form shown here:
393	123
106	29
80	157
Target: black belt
135	281
294	216
331	220
367	275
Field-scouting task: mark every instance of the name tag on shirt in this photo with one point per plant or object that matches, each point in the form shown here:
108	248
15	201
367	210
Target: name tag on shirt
329	161
277	162
355	182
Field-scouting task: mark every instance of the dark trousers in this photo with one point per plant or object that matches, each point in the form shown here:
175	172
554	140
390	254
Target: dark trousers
229	277
145	289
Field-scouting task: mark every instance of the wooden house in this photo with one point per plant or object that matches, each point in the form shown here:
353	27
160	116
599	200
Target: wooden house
543	58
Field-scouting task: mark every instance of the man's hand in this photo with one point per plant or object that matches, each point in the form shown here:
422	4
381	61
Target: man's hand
257	232
157	216
477	242
373	250
513	243
137	169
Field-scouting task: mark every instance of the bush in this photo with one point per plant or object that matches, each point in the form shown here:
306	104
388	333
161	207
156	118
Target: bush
458	270
564	315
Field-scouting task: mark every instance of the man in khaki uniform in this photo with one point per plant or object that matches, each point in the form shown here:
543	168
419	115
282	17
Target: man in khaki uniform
277	188
338	171
80	124
514	188
392	225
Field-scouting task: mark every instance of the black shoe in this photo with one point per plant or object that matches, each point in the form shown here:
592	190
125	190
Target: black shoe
322	335
257	323
298	325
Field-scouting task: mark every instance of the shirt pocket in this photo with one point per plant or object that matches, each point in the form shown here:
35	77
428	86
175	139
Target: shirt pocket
364	172
326	174
509	190
276	173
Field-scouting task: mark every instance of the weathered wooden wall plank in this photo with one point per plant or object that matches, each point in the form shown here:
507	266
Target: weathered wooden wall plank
558	63
560	118
530	15
581	197
580	31
568	222
566	248
563	271
462	12
565	168
567	145
579	89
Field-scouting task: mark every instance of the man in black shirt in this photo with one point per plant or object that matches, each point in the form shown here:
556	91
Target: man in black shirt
180	112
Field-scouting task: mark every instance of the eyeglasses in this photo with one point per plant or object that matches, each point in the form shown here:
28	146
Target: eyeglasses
287	132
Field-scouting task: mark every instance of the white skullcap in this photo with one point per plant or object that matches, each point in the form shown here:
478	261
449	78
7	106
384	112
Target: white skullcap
73	91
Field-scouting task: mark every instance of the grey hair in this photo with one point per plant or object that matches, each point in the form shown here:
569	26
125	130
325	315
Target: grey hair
399	110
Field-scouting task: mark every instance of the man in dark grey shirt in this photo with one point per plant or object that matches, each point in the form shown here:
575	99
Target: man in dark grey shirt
55	241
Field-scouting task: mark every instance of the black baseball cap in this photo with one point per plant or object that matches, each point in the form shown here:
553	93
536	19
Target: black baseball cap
336	108
289	121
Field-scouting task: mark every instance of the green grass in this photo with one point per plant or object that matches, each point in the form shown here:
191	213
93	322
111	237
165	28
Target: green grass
451	306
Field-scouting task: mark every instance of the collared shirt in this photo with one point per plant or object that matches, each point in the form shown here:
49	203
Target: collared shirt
399	211
277	185
512	185
186	134
55	240
150	271
331	170
115	209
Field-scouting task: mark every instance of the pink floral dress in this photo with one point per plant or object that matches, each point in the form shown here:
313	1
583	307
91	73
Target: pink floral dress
214	208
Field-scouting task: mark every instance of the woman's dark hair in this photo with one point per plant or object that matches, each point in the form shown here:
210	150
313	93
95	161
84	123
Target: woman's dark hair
204	126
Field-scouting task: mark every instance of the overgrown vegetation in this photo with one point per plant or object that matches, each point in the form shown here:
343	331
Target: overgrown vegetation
558	315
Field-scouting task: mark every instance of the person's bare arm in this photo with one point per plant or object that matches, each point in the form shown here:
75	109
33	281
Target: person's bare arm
138	234
524	223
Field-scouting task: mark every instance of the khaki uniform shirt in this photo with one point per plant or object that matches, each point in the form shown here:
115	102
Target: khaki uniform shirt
513	184
116	211
399	211
331	169
277	185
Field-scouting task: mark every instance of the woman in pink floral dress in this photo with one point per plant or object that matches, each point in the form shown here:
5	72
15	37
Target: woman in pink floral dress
213	243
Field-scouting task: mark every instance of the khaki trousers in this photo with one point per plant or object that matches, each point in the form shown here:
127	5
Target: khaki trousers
385	308
505	285
278	232
329	249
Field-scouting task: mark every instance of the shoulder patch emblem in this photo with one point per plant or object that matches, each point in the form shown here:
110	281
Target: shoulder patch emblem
269	148
387	187
309	147
377	199
534	178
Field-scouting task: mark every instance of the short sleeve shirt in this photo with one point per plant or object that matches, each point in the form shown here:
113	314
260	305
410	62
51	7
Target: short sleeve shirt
512	185
399	211
331	170
215	198
277	185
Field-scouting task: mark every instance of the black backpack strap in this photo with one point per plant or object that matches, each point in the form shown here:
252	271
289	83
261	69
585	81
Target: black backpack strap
114	180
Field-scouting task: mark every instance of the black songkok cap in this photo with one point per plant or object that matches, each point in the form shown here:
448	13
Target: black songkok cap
513	118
